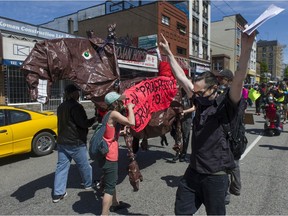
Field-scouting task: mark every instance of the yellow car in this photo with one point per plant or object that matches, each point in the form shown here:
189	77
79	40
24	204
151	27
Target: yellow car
23	131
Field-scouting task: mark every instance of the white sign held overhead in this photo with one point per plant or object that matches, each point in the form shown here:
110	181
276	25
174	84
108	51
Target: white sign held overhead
270	12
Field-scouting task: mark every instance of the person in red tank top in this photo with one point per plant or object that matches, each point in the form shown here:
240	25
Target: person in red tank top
110	165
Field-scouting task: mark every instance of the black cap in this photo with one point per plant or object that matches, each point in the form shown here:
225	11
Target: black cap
71	88
227	74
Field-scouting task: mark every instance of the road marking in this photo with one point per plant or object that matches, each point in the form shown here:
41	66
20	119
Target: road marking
251	146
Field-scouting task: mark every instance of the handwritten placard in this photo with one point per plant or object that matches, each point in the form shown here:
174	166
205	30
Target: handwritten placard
150	96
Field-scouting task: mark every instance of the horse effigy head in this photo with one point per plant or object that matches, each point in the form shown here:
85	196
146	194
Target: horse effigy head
89	62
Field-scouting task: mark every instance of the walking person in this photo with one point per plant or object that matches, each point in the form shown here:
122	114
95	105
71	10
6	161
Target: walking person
225	78
73	127
205	180
109	164
186	121
258	101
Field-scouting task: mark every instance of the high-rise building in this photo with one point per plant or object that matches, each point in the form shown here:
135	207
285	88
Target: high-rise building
271	54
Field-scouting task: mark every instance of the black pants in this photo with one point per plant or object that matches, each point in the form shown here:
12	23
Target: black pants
235	180
186	128
196	189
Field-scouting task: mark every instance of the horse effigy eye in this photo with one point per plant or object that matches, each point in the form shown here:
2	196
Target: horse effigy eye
87	55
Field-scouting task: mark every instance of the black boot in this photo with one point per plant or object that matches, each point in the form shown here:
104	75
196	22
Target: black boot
175	158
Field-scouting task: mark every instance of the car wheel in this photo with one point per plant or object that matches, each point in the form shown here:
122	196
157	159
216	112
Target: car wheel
43	144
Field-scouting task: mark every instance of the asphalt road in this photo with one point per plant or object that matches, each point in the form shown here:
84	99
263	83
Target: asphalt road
27	181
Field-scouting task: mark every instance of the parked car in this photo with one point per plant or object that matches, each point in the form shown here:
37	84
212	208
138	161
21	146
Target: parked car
23	131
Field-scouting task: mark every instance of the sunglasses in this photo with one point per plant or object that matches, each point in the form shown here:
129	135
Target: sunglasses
202	93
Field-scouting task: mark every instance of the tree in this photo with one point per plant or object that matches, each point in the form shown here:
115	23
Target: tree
264	72
286	72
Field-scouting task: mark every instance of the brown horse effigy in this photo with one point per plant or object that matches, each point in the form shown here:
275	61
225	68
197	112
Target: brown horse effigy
92	65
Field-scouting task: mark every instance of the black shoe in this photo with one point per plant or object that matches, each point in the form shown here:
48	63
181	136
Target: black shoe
57	198
182	158
175	158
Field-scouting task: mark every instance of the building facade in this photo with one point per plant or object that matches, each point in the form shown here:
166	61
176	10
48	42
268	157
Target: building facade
142	26
226	41
271	54
140	23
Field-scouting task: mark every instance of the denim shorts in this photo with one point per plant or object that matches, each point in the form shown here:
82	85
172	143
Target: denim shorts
110	172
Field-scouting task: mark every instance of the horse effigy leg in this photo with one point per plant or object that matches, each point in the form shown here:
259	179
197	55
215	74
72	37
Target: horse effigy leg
135	145
144	144
163	140
134	173
178	137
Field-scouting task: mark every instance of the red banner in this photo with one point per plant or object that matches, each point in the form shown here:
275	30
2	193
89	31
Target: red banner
150	96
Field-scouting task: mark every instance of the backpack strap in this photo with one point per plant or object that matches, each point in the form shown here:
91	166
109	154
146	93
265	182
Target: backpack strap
103	123
103	126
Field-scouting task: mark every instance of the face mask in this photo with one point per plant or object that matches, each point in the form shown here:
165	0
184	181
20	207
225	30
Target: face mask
204	101
270	99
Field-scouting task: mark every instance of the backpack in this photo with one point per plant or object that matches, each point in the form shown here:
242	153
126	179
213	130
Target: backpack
98	147
235	132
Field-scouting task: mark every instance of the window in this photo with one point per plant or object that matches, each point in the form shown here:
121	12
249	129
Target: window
195	26
205	9
18	116
195	48
271	48
205	31
238	32
181	51
196	6
165	20
218	66
271	61
205	52
2	118
16	87
181	28
238	50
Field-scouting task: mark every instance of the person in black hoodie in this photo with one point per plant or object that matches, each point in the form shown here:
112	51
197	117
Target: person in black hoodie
73	127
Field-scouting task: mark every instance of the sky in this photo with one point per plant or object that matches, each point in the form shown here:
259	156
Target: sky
38	12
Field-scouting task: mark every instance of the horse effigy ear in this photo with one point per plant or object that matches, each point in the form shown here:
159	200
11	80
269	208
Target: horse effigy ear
90	33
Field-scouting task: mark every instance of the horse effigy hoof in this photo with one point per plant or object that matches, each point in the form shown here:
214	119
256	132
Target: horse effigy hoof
135	175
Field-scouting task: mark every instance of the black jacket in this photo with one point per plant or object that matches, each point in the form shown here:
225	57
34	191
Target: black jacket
210	148
72	123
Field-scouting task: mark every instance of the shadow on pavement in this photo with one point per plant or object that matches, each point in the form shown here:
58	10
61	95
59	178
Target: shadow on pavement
255	131
272	147
27	191
172	181
89	201
15	158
